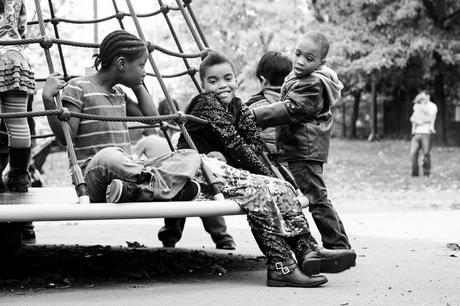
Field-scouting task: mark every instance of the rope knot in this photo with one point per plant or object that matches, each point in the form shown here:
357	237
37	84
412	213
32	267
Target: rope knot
150	47
192	71
46	42
182	117
187	2
164	126
165	9
120	15
65	115
55	20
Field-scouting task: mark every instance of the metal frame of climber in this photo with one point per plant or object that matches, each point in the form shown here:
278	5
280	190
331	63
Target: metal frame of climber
54	204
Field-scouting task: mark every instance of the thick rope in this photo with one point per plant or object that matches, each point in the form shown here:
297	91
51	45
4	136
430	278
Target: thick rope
47	42
118	15
195	21
64	115
165	10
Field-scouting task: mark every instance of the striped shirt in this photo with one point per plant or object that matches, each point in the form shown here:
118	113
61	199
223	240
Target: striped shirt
94	135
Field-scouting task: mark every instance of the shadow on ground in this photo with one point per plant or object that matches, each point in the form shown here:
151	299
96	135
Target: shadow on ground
52	266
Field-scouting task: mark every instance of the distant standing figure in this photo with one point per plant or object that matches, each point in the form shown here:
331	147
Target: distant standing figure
422	119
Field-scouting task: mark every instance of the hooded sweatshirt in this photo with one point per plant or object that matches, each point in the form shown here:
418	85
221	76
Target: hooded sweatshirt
303	115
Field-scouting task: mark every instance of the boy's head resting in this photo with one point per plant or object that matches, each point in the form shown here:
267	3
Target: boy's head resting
127	53
272	68
310	53
217	76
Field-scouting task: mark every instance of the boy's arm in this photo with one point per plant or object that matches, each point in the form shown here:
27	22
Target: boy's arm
302	102
54	83
144	105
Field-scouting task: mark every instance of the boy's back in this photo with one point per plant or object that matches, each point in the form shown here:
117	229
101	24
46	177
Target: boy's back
266	97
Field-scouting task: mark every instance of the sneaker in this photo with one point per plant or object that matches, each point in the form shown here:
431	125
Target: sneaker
28	236
226	245
120	191
190	192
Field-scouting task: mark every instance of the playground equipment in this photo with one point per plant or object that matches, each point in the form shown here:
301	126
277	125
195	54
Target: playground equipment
58	204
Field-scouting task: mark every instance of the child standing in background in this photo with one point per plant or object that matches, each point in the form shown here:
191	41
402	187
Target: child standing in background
271	70
16	83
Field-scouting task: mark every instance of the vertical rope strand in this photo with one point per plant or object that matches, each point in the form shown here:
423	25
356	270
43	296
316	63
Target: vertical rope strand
197	25
189	24
178	44
76	173
206	172
56	34
115	6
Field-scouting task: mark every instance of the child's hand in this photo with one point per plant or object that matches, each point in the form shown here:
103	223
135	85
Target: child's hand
54	83
217	155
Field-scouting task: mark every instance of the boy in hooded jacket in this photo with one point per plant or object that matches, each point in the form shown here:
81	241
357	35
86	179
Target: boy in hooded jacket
304	120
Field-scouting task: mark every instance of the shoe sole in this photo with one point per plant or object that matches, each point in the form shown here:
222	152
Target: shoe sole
18	189
113	192
198	189
338	264
276	283
311	266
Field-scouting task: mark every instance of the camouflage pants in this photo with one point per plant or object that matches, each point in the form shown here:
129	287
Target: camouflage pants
271	204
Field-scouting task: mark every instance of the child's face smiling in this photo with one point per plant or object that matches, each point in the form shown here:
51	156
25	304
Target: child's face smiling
307	57
220	80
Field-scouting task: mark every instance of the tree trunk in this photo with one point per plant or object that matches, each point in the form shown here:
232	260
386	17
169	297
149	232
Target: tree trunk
373	135
440	99
354	114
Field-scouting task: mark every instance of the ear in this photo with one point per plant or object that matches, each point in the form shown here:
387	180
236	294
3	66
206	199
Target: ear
323	62
264	82
121	63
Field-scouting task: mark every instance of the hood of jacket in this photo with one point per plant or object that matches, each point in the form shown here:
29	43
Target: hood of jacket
331	83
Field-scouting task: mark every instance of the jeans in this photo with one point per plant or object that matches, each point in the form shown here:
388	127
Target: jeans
308	175
423	142
170	171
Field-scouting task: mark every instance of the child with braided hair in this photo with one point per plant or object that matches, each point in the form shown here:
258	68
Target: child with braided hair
16	83
103	148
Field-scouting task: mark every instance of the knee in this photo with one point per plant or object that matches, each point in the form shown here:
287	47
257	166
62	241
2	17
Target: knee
107	157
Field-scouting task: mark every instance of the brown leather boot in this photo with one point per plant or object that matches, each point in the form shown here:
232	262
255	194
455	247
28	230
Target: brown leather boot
288	274
332	261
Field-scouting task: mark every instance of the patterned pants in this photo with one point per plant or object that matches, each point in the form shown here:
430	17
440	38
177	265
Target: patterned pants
273	211
270	203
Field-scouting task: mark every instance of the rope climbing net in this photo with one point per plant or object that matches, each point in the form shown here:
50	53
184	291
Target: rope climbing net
47	42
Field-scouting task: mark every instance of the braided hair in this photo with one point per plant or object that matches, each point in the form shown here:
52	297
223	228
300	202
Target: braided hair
118	43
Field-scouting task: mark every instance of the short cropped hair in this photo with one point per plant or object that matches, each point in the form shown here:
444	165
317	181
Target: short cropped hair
211	58
321	39
164	109
119	43
274	67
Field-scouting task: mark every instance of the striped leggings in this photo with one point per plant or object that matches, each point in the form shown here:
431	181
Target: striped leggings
18	129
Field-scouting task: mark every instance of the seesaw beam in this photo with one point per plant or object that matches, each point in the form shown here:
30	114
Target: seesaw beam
61	204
